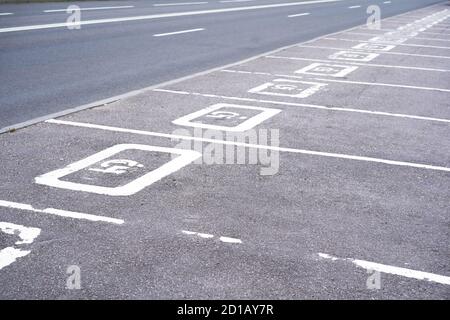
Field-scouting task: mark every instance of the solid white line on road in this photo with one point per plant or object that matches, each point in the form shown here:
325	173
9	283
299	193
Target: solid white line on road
397	44
345	81
379	52
61	213
177	4
6	13
250	145
387	2
299	15
177	32
90	9
162	15
415	38
384	268
354	7
360	64
232	1
312	106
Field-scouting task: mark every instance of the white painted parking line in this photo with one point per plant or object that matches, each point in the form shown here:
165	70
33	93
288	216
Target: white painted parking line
177	32
384	268
26	234
360	64
354	7
370	45
126	168
247	117
372	57
60	213
90	9
373	46
322	69
381	84
418	38
249	145
312	106
162	15
299	15
211	236
288	88
6	13
178	4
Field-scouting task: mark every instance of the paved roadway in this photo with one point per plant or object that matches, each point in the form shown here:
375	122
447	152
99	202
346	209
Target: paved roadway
360	179
45	71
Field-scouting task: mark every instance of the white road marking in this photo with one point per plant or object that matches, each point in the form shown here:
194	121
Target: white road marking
26	234
354	7
288	88
178	4
60	213
418	38
162	15
249	145
331	70
408	273
53	179
177	32
231	1
214	111
361	64
373	46
393	53
353	56
210	236
299	15
312	106
387	2
353	82
400	44
90	9
6	13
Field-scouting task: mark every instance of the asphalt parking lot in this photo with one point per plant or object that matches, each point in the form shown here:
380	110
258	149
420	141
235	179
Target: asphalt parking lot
351	178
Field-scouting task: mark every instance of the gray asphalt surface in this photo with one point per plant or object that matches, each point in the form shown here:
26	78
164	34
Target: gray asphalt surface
363	175
49	70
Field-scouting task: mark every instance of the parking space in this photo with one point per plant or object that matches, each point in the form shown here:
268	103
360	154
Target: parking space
291	175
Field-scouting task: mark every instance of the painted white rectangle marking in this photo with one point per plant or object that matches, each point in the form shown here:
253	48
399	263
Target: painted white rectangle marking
353	56
388	39
26	234
90	9
373	46
288	88
387	2
6	13
177	32
323	69
354	7
299	15
223	111
60	213
53	179
408	273
211	236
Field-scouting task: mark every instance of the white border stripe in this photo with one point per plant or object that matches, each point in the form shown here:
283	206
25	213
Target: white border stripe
90	9
61	213
177	32
408	273
249	145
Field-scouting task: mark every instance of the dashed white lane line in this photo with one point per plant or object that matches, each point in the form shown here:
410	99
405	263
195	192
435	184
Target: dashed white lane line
178	4
61	213
397	44
211	236
233	1
384	268
387	2
6	13
380	52
250	145
354	7
344	81
163	15
26	234
177	32
299	15
90	9
360	64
